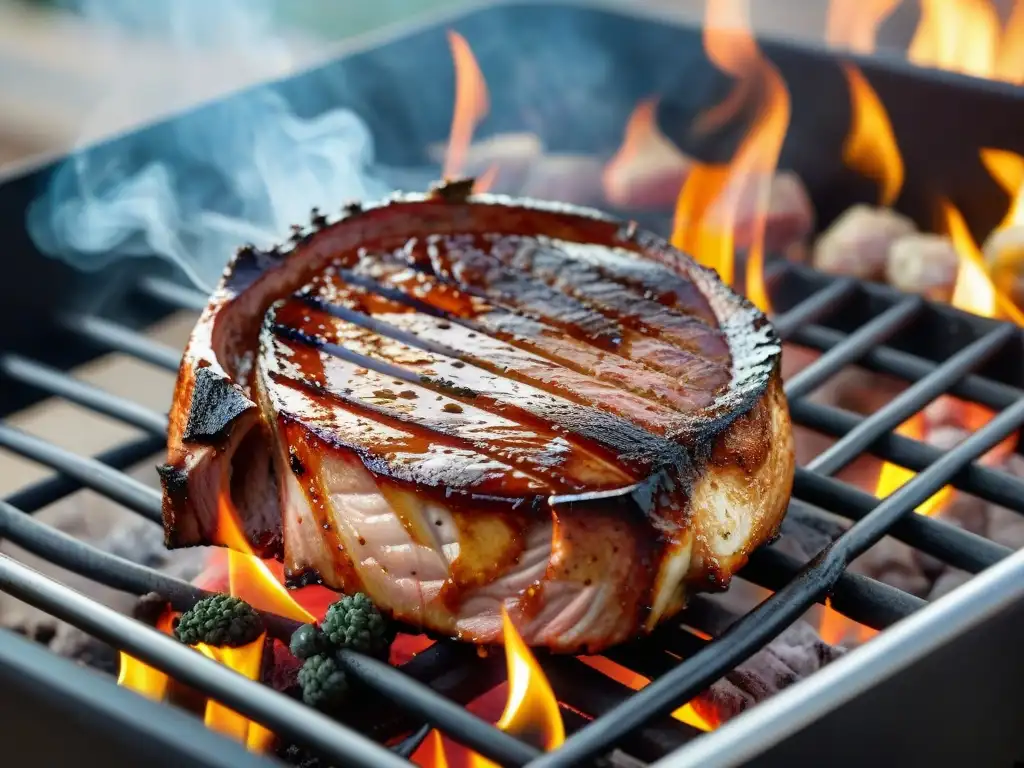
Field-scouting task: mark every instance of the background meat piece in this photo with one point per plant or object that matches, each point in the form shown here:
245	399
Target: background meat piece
924	264
648	171
858	242
510	155
574	179
789	220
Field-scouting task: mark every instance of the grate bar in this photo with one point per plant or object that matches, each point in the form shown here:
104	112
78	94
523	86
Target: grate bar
818	304
910	401
998	487
66	714
771	617
919	488
147	502
933	536
866	601
101	478
452	718
893	362
83	559
63	385
853	347
120	338
254	700
52	489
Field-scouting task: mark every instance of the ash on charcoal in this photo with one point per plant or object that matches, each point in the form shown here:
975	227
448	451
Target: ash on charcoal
798	652
110	528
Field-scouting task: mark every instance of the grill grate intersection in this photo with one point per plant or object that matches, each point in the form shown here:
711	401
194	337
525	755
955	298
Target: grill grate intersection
433	686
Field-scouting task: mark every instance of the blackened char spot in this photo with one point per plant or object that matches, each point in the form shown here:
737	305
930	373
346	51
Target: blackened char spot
296	463
307	577
173	479
215	404
248	265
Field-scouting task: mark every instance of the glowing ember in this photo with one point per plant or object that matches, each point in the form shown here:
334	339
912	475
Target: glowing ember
854	24
893	476
248	576
634	680
431	753
141	678
247	661
709	201
834	628
870	147
472	103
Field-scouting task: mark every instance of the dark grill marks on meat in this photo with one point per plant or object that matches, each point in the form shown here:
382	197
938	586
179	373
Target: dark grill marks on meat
498	377
703	374
533	448
477	406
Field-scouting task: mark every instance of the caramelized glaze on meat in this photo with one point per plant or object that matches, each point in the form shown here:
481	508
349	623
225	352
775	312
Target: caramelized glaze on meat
476	404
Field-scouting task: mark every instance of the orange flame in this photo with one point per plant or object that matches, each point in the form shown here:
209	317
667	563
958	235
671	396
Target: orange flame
854	24
431	754
957	35
634	680
532	709
834	628
709	202
974	290
248	576
1010	61
1007	169
141	678
247	661
472	103
870	147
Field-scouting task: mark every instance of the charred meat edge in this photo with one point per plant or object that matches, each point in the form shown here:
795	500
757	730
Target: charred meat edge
745	439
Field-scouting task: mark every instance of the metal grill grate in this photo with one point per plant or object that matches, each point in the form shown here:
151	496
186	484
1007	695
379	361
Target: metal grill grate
431	689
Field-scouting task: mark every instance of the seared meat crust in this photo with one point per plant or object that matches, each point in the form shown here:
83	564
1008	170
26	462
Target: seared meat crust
462	404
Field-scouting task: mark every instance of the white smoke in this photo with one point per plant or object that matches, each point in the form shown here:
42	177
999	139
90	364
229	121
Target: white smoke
193	190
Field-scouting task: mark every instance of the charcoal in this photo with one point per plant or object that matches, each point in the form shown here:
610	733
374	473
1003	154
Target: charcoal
923	263
798	652
805	533
858	242
893	562
950	579
128	536
1003	525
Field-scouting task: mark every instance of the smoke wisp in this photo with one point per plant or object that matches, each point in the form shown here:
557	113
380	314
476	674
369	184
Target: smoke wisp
193	190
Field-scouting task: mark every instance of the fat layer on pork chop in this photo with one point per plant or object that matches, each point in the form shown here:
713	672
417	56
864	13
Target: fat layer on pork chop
462	405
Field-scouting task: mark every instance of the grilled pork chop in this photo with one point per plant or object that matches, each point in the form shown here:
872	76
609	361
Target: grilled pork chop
460	403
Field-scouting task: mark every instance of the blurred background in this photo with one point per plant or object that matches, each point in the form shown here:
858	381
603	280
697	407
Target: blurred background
61	59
